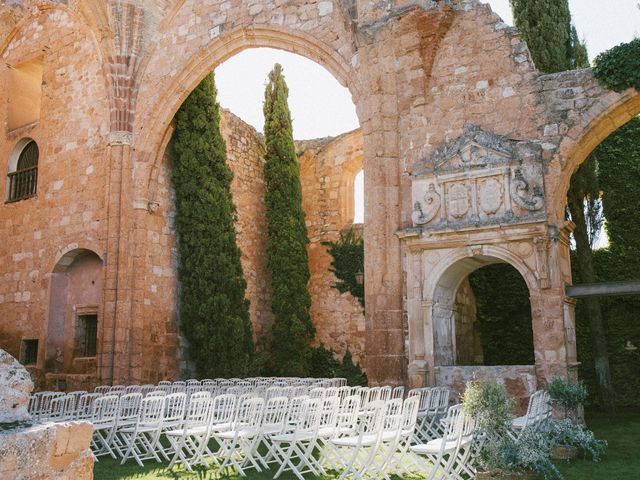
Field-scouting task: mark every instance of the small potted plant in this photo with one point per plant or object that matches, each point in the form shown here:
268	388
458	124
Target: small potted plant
570	396
569	436
503	457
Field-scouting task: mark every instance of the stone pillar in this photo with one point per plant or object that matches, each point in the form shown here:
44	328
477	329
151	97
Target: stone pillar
417	369
551	341
385	356
114	360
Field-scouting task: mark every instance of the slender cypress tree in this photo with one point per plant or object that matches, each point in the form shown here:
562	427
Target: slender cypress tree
287	244
214	313
554	44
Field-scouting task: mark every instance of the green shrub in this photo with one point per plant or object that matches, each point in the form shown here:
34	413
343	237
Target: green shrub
568	433
351	371
568	395
619	67
487	401
324	365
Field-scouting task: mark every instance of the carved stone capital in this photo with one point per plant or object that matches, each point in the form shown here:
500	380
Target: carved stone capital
120	138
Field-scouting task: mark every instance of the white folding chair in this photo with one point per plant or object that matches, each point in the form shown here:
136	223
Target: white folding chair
274	422
395	463
355	453
128	413
441	457
238	444
538	413
140	440
104	417
294	450
186	441
175	405
85	405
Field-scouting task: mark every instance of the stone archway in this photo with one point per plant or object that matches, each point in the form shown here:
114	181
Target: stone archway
595	123
74	325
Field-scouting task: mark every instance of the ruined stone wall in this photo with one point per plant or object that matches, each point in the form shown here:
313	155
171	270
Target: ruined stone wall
245	155
71	202
115	73
327	170
468	344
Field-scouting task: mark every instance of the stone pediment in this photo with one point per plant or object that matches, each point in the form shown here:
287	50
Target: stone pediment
474	149
479	179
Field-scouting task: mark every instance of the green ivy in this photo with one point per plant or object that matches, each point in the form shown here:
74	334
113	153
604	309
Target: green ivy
619	160
348	263
504	315
619	67
325	365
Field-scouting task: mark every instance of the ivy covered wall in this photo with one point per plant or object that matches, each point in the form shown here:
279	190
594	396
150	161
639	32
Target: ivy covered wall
619	174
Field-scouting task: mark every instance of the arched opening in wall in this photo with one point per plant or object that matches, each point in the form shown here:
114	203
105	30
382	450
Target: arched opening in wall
74	318
482	315
601	201
322	111
495	314
471	338
358	198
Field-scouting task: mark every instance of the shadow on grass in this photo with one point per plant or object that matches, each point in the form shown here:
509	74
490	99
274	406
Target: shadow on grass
621	462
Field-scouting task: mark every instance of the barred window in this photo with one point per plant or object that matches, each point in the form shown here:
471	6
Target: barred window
29	352
23	181
86	335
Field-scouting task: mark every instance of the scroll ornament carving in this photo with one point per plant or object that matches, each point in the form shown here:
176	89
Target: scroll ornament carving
424	212
529	197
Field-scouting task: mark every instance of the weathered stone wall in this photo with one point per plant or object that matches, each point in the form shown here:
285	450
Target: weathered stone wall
70	206
520	381
55	451
15	388
468	344
245	155
327	171
51	451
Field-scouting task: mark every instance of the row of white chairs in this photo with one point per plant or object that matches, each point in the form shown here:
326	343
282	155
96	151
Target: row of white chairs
358	439
177	426
57	406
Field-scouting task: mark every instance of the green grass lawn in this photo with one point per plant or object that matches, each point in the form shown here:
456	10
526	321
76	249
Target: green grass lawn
621	462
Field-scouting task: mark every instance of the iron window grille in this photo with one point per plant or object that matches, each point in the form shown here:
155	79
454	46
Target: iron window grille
24	181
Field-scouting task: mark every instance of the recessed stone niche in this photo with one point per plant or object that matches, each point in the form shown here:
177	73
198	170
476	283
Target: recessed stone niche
54	451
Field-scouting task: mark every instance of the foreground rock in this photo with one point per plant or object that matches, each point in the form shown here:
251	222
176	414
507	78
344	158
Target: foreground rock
49	451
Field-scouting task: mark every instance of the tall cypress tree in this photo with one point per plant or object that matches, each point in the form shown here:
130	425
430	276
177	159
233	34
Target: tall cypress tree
287	244
546	27
553	41
214	313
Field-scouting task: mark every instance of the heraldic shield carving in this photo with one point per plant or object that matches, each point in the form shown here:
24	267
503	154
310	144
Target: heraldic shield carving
480	178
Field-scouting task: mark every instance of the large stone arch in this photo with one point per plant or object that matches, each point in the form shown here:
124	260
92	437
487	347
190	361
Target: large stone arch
609	112
153	123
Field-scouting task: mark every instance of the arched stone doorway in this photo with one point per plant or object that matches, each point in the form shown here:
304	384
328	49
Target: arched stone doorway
443	314
74	324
